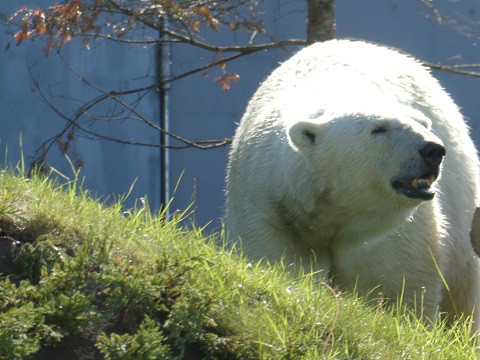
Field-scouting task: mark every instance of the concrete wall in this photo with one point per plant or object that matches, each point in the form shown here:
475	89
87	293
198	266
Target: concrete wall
199	108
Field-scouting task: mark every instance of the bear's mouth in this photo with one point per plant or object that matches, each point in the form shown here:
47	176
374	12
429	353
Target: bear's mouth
416	188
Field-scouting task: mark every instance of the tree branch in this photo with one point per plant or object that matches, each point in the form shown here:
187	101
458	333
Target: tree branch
74	121
438	15
457	69
212	144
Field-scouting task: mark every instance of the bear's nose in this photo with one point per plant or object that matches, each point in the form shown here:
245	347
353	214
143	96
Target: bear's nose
432	153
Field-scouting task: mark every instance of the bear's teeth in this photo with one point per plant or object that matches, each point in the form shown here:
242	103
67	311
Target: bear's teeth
422	183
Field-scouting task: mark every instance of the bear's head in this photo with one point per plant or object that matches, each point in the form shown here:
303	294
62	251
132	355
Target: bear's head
370	163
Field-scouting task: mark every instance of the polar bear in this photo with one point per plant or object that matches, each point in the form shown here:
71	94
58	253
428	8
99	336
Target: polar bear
353	161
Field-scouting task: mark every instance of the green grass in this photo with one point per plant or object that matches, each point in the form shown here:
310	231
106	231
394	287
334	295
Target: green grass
117	283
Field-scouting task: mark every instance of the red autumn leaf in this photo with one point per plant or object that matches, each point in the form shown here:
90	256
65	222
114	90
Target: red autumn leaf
72	5
40	23
66	38
223	67
226	81
16	13
212	22
19	36
195	26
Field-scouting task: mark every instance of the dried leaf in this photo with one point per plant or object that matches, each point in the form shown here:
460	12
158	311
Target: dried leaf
226	81
211	21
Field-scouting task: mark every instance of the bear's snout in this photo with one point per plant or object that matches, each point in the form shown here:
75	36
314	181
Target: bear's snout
432	154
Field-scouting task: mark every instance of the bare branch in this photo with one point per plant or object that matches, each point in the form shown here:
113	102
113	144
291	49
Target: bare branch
211	144
464	25
241	49
438	15
457	69
74	121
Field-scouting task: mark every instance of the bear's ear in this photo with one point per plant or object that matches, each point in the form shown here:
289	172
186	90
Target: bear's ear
304	135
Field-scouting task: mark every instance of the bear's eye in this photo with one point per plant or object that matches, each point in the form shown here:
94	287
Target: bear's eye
379	130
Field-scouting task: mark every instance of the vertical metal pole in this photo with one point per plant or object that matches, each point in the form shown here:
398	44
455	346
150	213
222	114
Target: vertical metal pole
163	67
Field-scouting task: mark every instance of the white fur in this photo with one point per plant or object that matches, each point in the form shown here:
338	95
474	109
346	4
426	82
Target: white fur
310	184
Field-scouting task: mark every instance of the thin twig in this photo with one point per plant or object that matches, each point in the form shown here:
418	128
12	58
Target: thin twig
241	49
213	144
179	38
455	68
436	12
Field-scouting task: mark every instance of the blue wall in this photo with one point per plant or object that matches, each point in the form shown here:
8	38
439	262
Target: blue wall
199	108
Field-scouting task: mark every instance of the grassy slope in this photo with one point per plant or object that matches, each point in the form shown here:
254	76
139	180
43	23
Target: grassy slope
92	281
